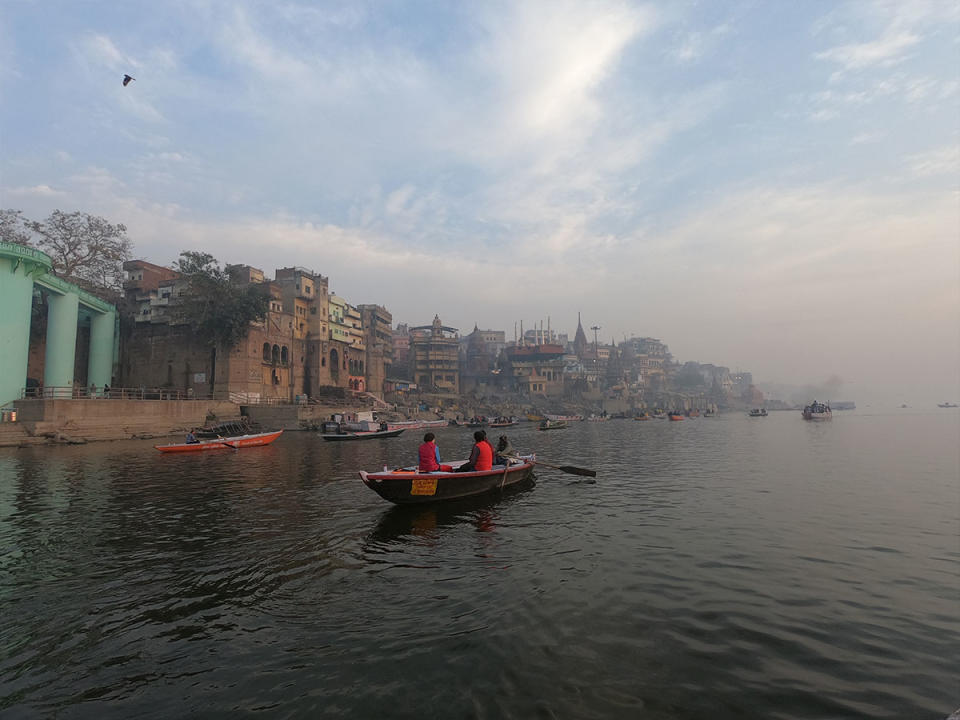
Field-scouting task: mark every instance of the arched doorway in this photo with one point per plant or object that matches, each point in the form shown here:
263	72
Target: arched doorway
334	366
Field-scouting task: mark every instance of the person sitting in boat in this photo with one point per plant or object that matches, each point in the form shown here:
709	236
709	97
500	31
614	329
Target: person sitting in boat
429	454
192	436
504	451
481	457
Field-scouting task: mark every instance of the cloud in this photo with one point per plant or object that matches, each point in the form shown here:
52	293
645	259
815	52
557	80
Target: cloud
941	161
885	51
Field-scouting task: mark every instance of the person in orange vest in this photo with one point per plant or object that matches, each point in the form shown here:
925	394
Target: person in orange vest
481	457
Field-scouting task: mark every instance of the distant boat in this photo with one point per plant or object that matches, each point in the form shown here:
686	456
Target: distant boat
693	413
758	412
547	424
641	416
364	430
817	412
234	442
676	416
947	405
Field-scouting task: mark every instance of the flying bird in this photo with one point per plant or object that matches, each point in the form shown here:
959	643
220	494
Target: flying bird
127	79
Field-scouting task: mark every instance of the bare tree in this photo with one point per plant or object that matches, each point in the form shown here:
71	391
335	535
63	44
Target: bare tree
85	249
13	227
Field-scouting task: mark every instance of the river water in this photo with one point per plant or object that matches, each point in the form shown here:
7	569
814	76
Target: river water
727	567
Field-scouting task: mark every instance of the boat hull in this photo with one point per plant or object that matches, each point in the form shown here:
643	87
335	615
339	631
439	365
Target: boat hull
817	417
410	487
344	437
227	443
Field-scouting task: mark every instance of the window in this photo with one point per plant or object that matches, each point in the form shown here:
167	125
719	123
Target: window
283	355
275	354
266	352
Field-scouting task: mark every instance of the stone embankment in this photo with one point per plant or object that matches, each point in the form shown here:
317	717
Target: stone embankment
41	421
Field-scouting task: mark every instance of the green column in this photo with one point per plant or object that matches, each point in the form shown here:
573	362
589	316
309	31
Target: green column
16	295
100	366
61	344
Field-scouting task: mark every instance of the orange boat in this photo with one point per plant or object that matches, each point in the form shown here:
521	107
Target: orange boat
676	416
223	443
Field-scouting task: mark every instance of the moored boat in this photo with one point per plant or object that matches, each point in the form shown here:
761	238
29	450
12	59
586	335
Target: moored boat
361	435
758	412
222	443
816	412
641	416
406	486
675	416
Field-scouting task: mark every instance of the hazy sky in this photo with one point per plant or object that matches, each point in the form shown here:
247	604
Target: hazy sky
768	185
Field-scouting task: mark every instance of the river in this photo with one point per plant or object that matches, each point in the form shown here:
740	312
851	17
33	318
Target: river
726	567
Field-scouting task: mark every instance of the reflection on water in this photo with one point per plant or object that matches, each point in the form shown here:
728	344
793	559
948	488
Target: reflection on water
720	567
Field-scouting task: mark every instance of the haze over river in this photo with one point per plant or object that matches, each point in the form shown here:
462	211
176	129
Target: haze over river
721	567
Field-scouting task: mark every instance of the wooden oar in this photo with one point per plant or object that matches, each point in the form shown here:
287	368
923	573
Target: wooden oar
572	470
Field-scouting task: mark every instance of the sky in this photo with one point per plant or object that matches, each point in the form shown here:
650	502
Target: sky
767	185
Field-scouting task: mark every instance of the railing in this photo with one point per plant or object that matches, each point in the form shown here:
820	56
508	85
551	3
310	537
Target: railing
69	392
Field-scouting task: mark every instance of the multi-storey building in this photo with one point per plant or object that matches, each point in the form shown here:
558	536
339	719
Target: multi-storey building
435	353
536	369
376	321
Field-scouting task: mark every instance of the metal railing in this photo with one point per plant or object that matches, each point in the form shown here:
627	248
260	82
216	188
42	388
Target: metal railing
69	392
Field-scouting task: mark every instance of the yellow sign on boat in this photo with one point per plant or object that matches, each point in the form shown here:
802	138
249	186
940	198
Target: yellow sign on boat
423	486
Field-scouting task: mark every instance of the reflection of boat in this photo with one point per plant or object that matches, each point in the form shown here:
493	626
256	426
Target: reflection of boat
235	441
758	412
817	411
401	522
547	424
947	405
408	485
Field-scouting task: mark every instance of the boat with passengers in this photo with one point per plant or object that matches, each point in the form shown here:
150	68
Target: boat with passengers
408	485
817	412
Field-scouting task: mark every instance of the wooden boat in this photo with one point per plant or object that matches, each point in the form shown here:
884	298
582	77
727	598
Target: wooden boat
947	404
417	424
675	416
406	486
547	424
502	423
361	435
224	443
641	416
758	412
817	412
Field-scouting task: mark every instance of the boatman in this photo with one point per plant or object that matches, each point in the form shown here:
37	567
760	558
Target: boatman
192	436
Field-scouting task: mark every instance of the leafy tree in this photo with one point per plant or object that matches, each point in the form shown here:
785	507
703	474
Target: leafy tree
216	308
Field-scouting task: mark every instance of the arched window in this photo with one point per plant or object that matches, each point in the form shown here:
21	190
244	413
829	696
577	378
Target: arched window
275	355
323	361
283	355
266	352
334	365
